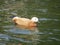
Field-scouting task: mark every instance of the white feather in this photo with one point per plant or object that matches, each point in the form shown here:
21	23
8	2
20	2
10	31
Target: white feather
35	19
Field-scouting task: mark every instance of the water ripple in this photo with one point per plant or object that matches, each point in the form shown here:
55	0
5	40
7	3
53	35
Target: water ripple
53	38
45	19
18	31
4	37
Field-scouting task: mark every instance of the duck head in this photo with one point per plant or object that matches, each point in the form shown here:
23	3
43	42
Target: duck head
34	19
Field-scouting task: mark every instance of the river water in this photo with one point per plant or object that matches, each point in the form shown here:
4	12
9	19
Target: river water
48	30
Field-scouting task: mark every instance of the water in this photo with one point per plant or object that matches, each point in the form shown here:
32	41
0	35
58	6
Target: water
48	30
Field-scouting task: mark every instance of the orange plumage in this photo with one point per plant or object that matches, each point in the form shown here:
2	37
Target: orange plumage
24	23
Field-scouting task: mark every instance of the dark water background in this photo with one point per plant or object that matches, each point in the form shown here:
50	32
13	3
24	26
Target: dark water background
48	12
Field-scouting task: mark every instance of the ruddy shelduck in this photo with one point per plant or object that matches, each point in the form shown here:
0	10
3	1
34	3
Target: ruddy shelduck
25	22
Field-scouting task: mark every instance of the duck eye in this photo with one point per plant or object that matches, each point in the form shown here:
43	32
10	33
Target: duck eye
35	19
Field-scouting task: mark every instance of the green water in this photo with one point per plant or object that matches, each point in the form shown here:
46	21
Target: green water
48	12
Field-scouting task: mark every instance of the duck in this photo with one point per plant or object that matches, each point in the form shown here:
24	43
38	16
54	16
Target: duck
25	23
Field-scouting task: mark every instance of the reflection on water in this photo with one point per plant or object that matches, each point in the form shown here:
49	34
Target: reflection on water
20	35
48	30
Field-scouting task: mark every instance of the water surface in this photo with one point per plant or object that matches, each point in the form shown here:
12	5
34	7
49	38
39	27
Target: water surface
48	12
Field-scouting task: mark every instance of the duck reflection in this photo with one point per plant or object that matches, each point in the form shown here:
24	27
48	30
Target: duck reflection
22	35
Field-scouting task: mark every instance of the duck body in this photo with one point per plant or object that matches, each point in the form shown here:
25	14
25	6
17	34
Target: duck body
24	22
